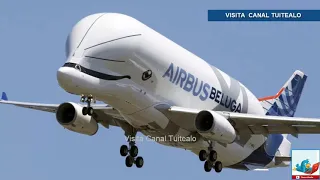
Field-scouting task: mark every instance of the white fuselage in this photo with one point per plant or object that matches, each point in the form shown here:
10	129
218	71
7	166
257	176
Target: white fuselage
124	49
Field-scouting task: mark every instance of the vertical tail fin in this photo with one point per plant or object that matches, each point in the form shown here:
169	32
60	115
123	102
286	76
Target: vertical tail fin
285	102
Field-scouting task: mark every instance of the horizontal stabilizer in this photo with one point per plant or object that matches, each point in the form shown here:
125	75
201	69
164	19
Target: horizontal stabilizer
256	168
280	159
261	170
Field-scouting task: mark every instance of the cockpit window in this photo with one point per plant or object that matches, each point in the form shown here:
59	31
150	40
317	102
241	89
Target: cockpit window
78	67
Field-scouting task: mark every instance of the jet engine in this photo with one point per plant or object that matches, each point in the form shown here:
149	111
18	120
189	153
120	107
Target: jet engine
215	127
70	116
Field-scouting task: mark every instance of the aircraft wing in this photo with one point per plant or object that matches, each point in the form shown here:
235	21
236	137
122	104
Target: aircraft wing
36	106
255	124
260	124
105	114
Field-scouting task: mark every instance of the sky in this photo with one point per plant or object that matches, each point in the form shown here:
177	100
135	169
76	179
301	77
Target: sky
262	55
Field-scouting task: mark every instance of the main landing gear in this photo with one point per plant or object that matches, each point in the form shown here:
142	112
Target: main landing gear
210	158
132	153
88	99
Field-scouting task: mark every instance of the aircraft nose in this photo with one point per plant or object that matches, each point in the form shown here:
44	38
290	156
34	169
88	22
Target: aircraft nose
64	78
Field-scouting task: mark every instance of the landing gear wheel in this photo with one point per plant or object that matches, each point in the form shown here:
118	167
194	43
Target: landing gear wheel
139	162
207	166
134	151
218	166
213	156
203	155
90	111
129	161
124	150
84	111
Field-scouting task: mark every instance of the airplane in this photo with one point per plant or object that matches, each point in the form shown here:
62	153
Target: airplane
151	85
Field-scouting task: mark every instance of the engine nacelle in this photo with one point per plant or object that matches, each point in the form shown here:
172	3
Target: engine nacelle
70	116
215	127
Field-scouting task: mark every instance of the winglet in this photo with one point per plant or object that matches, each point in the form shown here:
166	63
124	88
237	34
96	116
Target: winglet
4	96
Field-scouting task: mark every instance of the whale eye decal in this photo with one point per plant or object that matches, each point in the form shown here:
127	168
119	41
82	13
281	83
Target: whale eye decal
146	75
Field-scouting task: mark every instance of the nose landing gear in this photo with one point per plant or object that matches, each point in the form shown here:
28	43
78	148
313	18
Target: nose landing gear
210	158
88	99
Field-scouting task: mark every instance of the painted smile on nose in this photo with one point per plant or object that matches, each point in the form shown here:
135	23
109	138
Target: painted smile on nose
95	73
